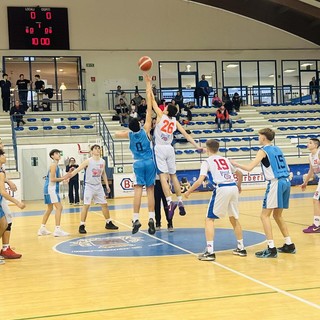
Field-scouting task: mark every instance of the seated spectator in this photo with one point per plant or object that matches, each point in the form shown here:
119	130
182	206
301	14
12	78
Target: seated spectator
179	100
225	97
142	109
133	110
162	104
236	100
122	111
228	104
222	116
137	98
216	101
17	113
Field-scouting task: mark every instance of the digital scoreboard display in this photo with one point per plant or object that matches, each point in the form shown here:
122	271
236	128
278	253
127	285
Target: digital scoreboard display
38	28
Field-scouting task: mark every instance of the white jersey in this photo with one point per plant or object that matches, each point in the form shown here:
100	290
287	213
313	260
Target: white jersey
315	162
94	171
163	132
220	168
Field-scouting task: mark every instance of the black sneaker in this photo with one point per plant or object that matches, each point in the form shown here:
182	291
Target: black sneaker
111	226
82	228
170	227
136	226
152	229
239	252
267	253
287	248
206	256
182	210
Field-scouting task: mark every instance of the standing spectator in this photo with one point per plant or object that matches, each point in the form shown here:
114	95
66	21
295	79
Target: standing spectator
52	197
73	182
23	85
314	90
5	85
224	199
314	159
216	101
236	101
95	168
17	113
203	90
276	172
39	88
222	116
179	100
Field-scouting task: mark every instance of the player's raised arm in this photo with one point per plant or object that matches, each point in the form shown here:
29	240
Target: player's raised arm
187	136
155	106
150	97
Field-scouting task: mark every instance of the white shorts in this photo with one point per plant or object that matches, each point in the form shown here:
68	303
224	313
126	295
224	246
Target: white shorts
94	193
224	201
52	196
316	195
6	210
165	159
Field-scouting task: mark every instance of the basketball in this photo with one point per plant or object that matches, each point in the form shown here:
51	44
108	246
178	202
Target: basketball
145	63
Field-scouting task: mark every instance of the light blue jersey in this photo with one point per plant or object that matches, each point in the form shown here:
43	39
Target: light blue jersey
274	166
140	145
51	189
144	168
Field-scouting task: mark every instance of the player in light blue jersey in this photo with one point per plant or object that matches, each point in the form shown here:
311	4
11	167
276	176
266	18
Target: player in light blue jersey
276	172
51	196
144	168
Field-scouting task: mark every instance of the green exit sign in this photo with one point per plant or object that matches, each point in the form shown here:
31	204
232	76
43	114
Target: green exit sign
90	65
140	78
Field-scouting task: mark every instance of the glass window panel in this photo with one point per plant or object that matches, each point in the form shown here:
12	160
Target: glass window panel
249	73
187	66
290	78
267	73
169	74
209	70
308	65
231	73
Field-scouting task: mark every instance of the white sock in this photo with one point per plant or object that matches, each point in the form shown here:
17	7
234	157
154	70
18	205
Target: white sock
316	221
82	223
179	198
5	247
169	200
58	227
287	240
240	244
152	215
135	217
210	246
108	220
270	244
43	225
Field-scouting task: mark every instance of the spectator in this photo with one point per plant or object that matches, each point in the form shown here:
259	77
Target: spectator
203	90
137	98
17	113
133	110
142	109
179	100
23	85
73	182
236	101
122	110
222	116
314	90
228	104
5	85
162	104
39	88
216	101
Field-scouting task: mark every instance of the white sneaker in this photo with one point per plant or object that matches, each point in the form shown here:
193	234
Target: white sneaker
60	233
2	262
43	231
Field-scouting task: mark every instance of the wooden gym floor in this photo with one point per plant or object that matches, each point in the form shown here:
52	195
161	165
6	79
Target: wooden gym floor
46	284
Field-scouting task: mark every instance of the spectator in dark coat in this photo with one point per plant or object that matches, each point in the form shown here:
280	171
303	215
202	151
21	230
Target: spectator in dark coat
17	113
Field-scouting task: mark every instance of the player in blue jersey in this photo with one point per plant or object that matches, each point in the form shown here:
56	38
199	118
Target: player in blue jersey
51	196
143	163
276	172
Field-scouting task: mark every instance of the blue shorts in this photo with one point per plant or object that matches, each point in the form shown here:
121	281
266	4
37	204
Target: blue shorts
277	194
1	212
144	172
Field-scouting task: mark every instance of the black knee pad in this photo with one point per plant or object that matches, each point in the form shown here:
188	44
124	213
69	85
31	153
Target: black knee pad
9	227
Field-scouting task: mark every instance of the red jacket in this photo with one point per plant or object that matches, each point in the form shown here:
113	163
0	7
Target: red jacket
223	115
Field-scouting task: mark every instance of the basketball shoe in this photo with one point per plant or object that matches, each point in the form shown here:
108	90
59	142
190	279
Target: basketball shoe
136	226
182	210
312	229
267	253
82	229
111	226
171	207
60	233
239	252
152	229
287	248
206	256
43	231
10	254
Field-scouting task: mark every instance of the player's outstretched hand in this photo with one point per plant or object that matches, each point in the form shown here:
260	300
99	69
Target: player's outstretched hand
187	194
303	186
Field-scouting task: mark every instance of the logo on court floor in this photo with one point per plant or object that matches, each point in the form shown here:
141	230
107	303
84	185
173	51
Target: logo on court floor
163	243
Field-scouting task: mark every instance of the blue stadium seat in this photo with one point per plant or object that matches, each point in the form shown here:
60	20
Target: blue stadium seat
245	149
31	119
238	130
302	146
223	149
234	149
85	118
72	119
207	131
189	151
200	123
247	139
47	128
248	130
89	126
75	127
197	131
33	128
225	139
178	152
61	127
236	139
45	119
18	128
203	140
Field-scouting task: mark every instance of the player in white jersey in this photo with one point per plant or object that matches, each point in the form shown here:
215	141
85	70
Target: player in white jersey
93	190
224	198
314	158
165	155
276	172
5	195
7	252
52	197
